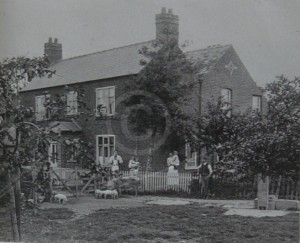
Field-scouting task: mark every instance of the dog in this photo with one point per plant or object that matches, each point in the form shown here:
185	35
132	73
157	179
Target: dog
60	198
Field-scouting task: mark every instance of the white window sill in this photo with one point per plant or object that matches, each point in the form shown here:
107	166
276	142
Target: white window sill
190	167
105	115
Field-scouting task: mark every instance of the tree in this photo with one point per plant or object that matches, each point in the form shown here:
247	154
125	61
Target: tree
159	92
14	73
252	143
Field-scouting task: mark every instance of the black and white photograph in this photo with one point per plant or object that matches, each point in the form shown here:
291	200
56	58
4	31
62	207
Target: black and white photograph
150	121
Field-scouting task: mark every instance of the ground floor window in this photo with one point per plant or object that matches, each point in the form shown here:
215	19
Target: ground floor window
105	148
191	157
53	153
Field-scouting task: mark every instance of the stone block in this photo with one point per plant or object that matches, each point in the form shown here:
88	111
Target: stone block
283	204
256	203
263	192
271	205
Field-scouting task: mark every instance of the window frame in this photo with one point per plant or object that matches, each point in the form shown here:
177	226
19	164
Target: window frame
110	150
194	157
108	100
41	116
227	102
72	110
259	109
51	158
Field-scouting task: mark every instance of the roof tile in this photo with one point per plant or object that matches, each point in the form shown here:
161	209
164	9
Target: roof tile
115	63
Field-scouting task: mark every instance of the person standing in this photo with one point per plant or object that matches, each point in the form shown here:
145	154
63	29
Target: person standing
133	165
176	161
170	160
205	172
173	176
115	162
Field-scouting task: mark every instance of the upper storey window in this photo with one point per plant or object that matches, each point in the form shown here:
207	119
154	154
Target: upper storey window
227	99
256	103
72	104
40	107
105	101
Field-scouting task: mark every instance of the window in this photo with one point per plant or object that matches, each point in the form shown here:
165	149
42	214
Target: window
105	148
41	112
53	154
256	103
105	101
227	99
72	105
191	157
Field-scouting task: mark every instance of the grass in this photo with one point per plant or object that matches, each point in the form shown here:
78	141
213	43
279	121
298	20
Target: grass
156	223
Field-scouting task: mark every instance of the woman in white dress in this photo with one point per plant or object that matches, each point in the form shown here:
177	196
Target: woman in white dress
173	163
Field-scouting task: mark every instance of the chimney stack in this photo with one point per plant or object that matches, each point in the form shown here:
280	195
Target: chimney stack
53	50
167	26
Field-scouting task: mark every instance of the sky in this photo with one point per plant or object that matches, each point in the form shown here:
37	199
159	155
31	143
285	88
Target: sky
265	33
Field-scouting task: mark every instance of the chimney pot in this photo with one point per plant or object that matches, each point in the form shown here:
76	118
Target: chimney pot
167	27
53	51
163	10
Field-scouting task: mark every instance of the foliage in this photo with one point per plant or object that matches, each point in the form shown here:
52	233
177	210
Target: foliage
14	73
80	151
251	143
160	90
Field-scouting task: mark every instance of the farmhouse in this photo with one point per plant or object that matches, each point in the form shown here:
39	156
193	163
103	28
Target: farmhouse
102	76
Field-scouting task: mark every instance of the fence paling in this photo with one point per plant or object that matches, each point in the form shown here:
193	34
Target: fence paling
157	181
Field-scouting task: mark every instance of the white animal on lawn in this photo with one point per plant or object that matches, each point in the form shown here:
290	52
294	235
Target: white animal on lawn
115	194
112	193
124	183
60	198
98	193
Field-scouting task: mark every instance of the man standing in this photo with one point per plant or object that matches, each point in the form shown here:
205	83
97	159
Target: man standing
205	172
115	161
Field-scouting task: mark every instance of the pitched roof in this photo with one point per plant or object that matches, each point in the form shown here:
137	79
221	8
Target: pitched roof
205	59
115	63
99	65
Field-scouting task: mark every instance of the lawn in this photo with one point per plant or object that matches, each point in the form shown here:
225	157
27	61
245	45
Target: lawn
156	223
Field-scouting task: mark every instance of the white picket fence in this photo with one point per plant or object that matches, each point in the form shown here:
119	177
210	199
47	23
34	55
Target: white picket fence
157	181
150	181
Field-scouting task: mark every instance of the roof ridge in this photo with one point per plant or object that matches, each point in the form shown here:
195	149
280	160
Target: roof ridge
115	48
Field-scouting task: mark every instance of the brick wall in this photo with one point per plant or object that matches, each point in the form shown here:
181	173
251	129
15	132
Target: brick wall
240	82
93	126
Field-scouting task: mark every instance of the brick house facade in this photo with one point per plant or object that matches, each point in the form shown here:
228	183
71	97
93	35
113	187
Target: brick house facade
102	76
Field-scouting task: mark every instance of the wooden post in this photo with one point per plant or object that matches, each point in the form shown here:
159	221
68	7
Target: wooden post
76	183
278	186
14	226
50	184
96	182
33	191
17	179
